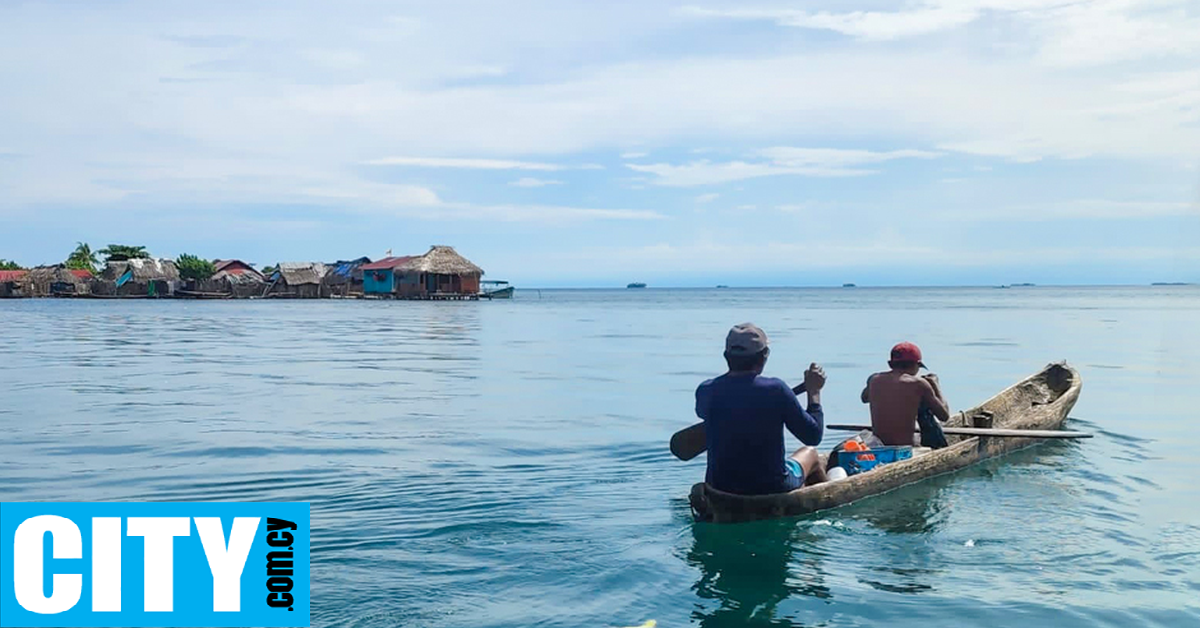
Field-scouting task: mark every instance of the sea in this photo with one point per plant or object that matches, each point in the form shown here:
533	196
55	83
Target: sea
505	464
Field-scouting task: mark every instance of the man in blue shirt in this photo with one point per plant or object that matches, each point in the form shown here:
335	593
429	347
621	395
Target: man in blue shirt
744	415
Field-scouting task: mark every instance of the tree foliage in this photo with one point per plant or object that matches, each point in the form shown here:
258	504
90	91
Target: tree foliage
10	265
122	252
192	267
82	258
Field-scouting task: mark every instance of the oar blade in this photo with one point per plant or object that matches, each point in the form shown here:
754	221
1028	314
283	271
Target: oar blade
689	442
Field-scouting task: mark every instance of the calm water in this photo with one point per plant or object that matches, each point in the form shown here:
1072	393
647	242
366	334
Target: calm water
505	463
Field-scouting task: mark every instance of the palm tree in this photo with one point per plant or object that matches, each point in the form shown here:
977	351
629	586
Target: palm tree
122	252
82	258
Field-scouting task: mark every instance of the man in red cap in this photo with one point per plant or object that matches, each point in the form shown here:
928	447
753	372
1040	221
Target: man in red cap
897	396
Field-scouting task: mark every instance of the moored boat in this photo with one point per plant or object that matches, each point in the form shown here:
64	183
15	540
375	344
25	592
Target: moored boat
1039	402
494	289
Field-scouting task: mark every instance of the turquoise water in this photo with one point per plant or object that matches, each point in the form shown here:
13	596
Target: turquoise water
505	463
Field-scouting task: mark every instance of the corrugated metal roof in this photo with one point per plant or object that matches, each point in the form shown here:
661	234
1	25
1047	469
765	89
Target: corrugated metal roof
12	275
81	273
387	263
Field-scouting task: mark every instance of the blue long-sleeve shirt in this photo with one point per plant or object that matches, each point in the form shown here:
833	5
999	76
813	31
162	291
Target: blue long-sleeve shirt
744	417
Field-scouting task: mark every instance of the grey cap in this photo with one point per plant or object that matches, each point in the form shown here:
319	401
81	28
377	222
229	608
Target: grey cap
745	339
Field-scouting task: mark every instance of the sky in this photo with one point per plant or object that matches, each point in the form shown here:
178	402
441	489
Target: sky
581	144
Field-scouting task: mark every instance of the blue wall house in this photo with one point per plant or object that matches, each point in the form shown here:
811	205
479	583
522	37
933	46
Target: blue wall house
382	279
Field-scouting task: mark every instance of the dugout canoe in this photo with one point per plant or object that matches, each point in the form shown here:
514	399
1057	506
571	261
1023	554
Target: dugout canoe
1040	401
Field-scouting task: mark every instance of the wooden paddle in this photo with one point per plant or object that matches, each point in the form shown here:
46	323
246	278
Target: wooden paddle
692	441
982	431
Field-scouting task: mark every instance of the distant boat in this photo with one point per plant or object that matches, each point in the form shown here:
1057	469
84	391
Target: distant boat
490	289
849	285
1023	285
636	284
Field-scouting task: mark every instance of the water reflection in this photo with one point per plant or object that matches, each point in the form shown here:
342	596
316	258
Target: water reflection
746	570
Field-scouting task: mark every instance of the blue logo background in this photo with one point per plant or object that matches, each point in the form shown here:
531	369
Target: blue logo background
193	586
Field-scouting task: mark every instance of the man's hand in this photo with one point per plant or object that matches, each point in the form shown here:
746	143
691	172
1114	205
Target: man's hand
932	379
814	378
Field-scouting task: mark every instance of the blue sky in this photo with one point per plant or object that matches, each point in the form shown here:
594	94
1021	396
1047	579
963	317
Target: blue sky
596	143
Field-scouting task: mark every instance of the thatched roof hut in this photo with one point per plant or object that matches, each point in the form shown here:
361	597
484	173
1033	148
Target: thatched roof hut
45	281
297	280
142	270
300	273
442	260
442	271
139	277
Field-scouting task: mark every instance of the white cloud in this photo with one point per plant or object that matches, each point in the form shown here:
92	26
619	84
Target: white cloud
921	20
1080	209
541	213
1075	33
838	157
633	155
708	173
334	59
532	182
707	198
781	160
452	162
407	195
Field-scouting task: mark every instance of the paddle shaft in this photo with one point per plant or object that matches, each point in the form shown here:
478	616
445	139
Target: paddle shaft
692	441
982	431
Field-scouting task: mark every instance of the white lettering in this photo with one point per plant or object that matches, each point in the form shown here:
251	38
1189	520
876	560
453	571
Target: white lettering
225	563
106	564
159	568
65	542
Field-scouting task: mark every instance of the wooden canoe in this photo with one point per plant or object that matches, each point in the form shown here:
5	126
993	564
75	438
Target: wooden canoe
1039	402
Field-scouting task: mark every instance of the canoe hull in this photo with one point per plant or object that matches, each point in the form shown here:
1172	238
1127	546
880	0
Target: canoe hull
1041	401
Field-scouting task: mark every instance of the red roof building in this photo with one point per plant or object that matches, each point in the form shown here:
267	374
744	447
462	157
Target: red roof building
234	267
387	263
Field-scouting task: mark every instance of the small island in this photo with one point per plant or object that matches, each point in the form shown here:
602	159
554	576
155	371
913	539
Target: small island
636	284
849	285
1170	283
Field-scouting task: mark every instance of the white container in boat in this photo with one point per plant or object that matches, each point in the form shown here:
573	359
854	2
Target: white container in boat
836	473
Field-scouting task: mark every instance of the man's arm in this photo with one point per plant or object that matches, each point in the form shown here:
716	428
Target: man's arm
867	390
807	425
931	395
703	395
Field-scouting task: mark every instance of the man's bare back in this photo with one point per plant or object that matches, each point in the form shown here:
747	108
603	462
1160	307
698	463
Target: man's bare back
895	398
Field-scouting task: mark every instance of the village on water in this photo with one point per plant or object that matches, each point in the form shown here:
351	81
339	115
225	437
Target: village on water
123	271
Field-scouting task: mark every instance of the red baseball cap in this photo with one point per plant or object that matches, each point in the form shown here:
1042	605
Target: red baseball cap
907	352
